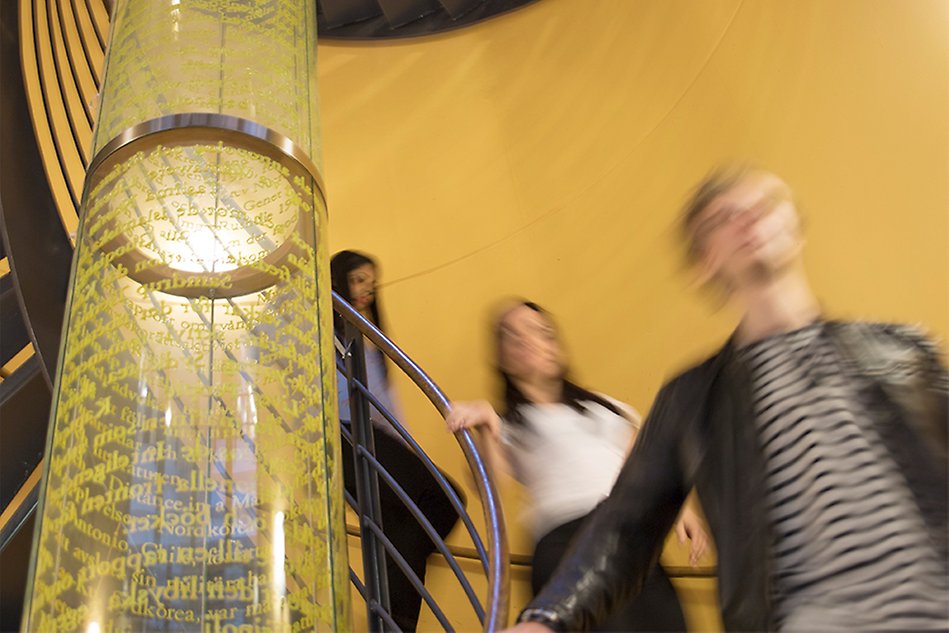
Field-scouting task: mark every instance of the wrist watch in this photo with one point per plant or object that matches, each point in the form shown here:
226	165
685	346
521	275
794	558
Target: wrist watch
542	616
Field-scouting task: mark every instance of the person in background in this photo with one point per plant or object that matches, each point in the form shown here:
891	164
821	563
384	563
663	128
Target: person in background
354	276
818	449
566	445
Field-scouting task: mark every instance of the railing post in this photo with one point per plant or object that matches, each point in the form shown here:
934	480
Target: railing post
367	481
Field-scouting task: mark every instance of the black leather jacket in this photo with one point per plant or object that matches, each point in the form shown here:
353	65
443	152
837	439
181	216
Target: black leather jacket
700	433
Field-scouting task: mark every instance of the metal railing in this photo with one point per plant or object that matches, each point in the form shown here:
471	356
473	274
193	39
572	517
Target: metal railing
491	549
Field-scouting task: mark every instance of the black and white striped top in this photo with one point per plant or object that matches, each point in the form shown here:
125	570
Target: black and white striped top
851	550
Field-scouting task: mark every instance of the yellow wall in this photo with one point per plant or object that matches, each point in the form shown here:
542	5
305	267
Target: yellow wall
545	153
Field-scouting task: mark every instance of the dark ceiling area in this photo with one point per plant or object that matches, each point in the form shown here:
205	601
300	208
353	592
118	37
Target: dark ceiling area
375	19
383	19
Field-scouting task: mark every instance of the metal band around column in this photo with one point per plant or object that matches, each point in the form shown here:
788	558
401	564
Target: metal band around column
188	130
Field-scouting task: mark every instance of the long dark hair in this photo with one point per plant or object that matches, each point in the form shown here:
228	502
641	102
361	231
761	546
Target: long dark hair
343	263
573	395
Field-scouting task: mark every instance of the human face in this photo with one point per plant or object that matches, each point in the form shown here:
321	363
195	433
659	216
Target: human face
528	348
362	286
750	232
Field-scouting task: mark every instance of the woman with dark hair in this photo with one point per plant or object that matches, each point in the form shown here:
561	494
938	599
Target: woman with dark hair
354	278
566	444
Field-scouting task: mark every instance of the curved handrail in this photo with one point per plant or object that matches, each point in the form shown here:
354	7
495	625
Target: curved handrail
497	603
526	560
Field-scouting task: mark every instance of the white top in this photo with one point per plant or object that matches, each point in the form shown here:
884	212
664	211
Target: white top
568	460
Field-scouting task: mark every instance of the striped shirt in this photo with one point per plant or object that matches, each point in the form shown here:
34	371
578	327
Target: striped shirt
851	550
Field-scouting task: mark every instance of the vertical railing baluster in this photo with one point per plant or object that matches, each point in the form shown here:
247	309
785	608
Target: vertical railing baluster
367	481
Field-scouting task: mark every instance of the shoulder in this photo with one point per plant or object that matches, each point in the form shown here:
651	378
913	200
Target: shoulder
892	352
625	410
880	329
891	341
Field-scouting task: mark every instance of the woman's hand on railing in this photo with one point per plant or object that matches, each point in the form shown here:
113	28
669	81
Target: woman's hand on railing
472	414
479	414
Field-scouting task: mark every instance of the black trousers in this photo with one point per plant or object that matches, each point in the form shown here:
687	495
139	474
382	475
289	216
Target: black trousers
399	525
656	608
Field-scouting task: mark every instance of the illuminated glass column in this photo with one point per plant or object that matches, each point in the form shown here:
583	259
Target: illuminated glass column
192	481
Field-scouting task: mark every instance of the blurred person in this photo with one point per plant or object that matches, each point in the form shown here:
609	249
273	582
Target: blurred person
566	444
354	277
818	449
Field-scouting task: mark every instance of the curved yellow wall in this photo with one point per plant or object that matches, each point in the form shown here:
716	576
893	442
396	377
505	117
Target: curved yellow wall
545	154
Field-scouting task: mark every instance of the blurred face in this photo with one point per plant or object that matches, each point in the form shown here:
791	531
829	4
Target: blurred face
362	286
750	232
528	348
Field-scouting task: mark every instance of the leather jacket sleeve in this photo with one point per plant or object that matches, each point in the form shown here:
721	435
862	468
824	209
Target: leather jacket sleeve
622	540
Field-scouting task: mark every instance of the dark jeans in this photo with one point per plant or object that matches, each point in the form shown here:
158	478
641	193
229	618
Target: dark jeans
399	525
656	608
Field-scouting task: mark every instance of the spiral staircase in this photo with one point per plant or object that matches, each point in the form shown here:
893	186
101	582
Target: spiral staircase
52	63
